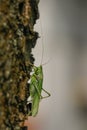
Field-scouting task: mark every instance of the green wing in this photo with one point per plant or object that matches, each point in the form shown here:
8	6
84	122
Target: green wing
35	105
36	95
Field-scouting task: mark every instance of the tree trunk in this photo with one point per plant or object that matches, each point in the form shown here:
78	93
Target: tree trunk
17	38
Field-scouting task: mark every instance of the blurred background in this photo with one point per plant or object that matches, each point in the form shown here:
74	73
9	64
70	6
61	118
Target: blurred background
63	30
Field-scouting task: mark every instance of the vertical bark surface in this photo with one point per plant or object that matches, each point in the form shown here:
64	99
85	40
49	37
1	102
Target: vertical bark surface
17	38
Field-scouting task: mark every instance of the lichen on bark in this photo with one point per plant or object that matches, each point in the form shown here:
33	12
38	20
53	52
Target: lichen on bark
17	38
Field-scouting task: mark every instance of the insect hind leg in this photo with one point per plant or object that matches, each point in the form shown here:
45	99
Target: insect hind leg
48	94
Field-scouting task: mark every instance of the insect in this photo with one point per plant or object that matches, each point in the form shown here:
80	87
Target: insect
36	83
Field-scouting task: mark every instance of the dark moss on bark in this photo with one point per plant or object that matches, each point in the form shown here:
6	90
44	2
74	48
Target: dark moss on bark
17	38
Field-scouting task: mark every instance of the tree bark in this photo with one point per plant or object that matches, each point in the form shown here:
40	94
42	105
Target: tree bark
17	38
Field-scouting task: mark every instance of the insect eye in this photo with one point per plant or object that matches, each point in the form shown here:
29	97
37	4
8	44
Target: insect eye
35	69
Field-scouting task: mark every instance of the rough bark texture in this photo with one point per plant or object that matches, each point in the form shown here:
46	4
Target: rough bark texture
17	38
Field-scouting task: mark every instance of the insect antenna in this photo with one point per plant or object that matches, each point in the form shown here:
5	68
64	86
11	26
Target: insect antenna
46	62
42	39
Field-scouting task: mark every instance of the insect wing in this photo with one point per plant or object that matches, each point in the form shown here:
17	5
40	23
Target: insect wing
35	105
